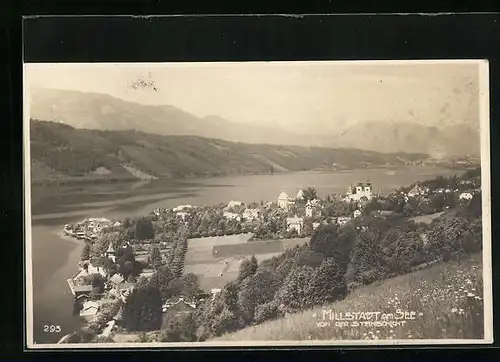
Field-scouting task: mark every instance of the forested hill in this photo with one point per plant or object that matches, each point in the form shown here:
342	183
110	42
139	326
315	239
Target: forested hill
60	151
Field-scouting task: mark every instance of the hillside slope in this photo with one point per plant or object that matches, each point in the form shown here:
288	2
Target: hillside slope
62	151
436	295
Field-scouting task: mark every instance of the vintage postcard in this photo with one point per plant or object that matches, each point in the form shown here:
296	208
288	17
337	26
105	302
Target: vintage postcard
257	204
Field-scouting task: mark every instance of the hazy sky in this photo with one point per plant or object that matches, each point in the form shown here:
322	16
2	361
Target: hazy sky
295	93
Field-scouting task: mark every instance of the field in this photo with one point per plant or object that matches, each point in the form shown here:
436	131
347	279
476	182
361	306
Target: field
446	301
216	260
426	218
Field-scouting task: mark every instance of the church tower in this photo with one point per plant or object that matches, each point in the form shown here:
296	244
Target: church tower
111	253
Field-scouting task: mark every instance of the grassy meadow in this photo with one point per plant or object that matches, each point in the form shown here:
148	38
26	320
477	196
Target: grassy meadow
443	302
215	270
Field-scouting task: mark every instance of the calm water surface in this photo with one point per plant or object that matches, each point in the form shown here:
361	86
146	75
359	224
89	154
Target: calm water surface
55	259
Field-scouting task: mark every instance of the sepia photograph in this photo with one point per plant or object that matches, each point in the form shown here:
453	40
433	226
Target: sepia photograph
298	203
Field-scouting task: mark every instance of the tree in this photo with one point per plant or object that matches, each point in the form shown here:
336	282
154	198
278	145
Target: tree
224	315
309	194
284	269
187	285
323	238
110	267
309	258
255	290
266	311
408	210
86	252
155	257
333	242
142	309
438	202
226	321
126	269
475	208
180	328
365	265
100	246
328	283
451	237
402	248
96	280
161	279
144	229
248	267
292	295
124	255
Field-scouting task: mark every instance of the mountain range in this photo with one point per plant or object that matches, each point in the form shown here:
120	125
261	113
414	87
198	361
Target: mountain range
104	112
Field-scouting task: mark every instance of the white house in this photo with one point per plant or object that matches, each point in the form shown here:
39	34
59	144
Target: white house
234	203
182	214
284	200
232	216
92	269
300	195
312	207
251	214
361	190
465	196
416	191
214	292
182	207
356	213
295	223
89	309
342	220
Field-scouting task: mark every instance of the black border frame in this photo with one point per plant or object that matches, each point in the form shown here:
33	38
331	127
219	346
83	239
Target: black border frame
374	37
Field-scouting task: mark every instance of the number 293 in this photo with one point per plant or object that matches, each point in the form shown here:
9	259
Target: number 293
51	328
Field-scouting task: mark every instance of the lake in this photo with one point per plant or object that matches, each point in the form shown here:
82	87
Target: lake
55	259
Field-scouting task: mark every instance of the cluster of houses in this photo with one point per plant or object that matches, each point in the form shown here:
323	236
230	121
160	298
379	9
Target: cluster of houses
424	192
115	286
89	229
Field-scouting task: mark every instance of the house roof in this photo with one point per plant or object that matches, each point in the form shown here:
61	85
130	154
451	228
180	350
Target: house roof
176	301
82	288
386	212
283	196
119	315
90	304
116	279
126	286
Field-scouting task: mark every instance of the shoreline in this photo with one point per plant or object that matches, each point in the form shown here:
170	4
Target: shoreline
52	299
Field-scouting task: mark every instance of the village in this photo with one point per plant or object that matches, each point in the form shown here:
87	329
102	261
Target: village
103	282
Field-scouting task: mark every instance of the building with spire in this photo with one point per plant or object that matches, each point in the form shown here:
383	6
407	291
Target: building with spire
284	200
359	191
111	253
